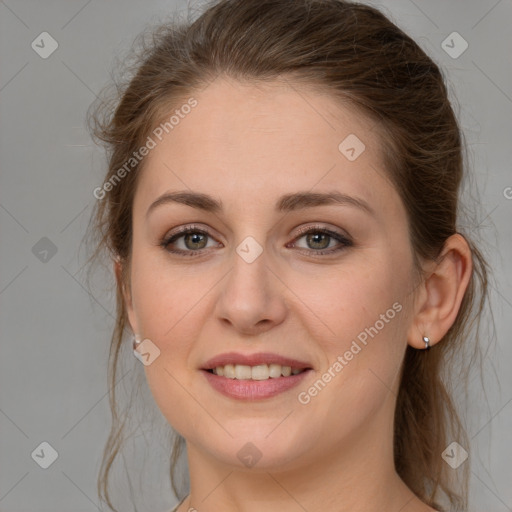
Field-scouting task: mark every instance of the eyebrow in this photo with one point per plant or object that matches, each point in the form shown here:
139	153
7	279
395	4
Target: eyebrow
286	203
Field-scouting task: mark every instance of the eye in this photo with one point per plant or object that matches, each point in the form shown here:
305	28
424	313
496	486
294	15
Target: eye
189	241
319	241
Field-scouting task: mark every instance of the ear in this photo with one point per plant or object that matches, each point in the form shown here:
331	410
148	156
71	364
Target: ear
125	290
440	295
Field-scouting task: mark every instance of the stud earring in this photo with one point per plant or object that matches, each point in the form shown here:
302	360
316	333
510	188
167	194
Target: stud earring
426	340
136	341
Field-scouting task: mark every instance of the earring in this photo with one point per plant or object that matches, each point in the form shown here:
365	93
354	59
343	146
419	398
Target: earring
136	342
426	340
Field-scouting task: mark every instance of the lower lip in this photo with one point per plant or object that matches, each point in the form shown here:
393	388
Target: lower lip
253	389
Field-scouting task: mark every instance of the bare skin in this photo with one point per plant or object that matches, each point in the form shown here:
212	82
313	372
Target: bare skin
247	146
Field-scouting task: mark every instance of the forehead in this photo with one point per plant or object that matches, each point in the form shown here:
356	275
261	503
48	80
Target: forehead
253	143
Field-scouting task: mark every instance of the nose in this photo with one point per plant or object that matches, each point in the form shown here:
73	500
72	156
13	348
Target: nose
251	299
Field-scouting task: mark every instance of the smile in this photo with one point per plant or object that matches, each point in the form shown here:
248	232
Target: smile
255	376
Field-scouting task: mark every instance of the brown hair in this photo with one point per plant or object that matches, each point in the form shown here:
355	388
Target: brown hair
358	55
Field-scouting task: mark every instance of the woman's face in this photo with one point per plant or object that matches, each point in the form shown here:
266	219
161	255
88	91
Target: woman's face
259	283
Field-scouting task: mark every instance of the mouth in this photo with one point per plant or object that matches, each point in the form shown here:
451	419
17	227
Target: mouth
254	377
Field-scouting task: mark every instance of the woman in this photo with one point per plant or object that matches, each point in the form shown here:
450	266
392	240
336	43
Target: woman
281	213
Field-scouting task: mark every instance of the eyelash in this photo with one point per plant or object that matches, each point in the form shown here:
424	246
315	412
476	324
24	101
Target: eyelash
311	229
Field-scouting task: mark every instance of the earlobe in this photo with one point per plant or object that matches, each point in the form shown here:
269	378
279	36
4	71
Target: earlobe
442	293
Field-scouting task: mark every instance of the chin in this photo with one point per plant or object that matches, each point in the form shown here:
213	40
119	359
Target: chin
259	445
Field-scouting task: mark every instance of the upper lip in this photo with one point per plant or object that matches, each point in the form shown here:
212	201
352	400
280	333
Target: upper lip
254	360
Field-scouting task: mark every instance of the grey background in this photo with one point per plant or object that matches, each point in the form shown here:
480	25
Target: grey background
55	326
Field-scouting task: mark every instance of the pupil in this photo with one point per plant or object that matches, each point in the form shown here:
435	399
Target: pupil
318	238
195	238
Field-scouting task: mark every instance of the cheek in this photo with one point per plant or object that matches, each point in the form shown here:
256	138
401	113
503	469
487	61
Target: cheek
163	298
361	330
347	300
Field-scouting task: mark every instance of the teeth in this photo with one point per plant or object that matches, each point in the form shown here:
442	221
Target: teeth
229	371
258	372
242	372
274	370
